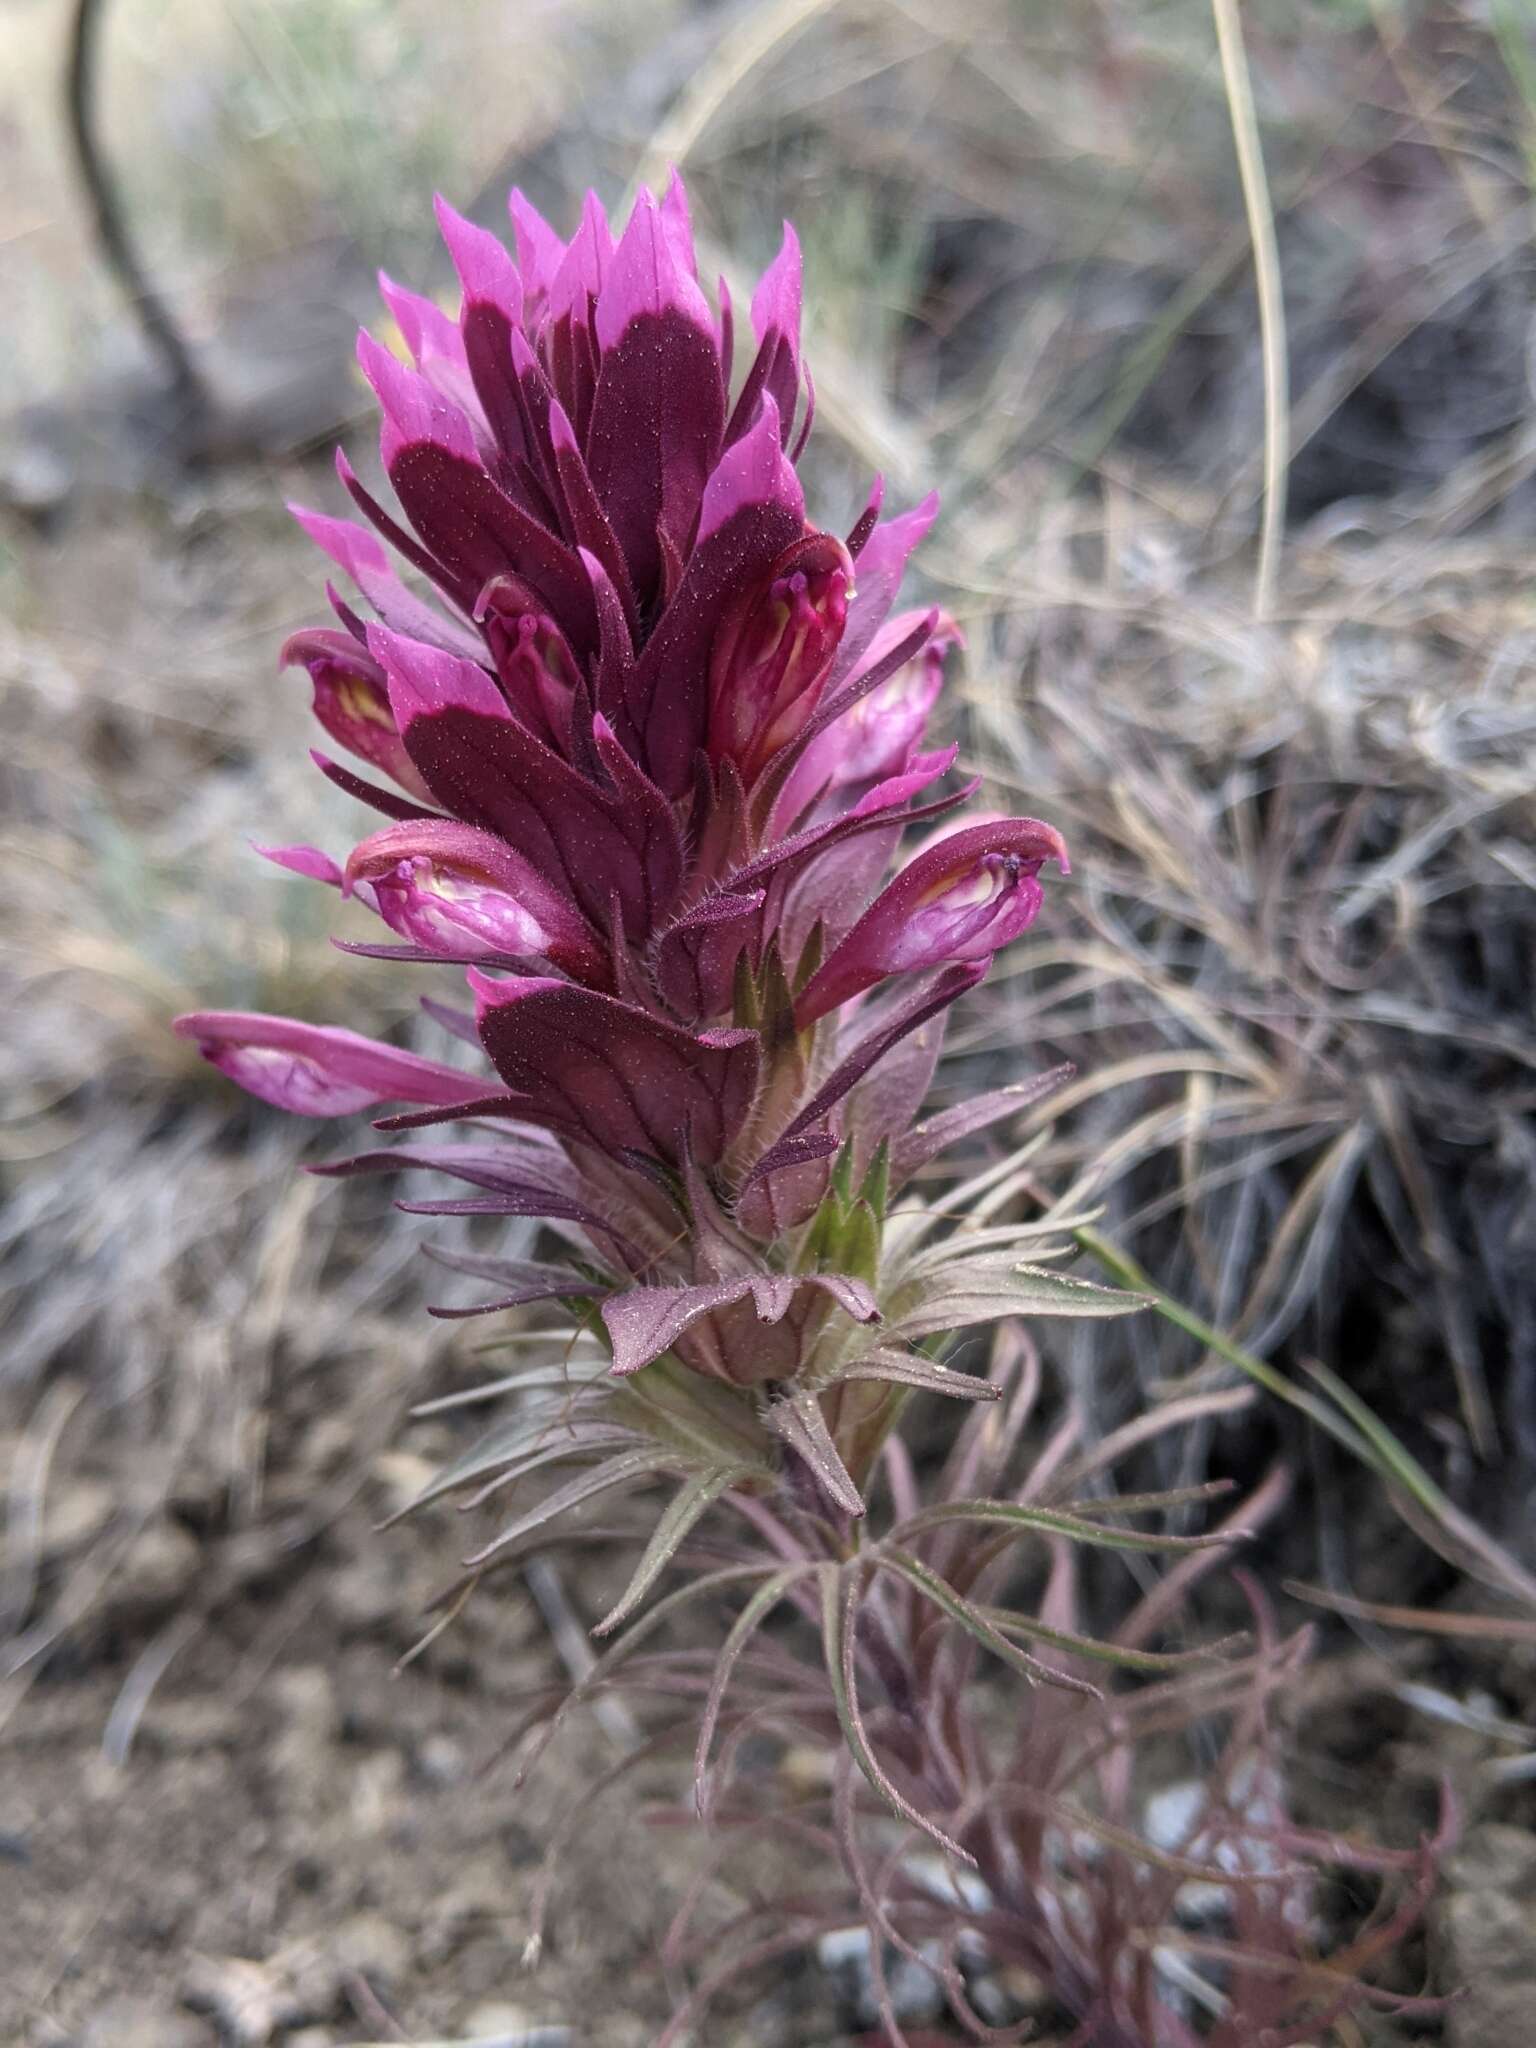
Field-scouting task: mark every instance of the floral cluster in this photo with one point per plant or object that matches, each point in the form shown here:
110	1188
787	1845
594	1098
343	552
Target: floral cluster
650	741
650	744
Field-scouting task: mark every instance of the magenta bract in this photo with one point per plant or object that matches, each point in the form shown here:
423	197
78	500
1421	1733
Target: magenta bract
649	742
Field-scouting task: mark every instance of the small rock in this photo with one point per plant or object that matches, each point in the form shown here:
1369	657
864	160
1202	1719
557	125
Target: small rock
143	2023
847	1957
365	1594
250	2001
372	1946
161	1564
403	1477
377	1792
76	1513
487	2022
302	1753
441	1761
201	1721
1032	1997
1486	1928
1495	1858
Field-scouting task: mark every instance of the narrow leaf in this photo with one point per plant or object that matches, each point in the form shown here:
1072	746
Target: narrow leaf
745	1626
601	1479
971	1293
688	1504
798	1420
909	1369
839	1607
1049	1522
939	1593
1007	1622
617	1652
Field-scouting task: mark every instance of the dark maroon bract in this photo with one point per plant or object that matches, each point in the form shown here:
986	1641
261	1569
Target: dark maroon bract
648	746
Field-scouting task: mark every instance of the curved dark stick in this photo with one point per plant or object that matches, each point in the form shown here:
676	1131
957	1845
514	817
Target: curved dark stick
165	339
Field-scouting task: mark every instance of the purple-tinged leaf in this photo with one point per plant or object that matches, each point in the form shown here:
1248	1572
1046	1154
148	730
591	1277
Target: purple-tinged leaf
361	556
927	1141
786	1185
494	773
520	1297
1031	1521
505	1165
696	956
797	1151
524	1281
504	1104
659	409
524	1180
752	510
623	1470
911	1369
513	1272
513	1447
368	793
686	1508
625	1082
982	1290
745	1626
492	308
935	996
940	1594
840	1591
644	1322
796	1418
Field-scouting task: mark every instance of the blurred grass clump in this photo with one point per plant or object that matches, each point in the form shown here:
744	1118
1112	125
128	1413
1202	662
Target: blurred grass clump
1293	965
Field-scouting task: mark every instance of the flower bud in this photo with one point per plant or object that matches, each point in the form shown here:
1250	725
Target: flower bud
318	1070
455	890
533	660
772	656
876	735
352	702
960	899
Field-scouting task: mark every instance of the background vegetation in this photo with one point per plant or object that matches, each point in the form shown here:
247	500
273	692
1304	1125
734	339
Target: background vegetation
1293	965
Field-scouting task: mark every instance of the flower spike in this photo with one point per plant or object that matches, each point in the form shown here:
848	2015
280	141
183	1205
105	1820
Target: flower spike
647	739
